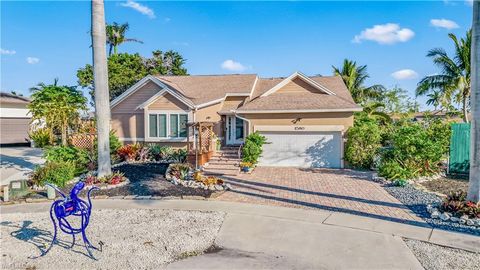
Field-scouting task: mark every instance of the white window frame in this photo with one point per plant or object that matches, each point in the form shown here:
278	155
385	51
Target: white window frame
167	113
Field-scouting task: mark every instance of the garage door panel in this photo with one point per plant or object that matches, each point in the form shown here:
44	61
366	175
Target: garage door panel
307	149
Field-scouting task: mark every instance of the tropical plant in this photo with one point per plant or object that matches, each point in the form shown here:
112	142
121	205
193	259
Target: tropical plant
252	148
74	155
363	143
124	70
100	83
116	36
474	180
435	99
373	110
128	152
53	172
396	100
160	152
58	106
354	78
179	156
179	170
454	78
41	137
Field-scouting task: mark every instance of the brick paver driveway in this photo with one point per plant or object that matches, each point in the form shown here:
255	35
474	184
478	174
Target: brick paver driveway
335	190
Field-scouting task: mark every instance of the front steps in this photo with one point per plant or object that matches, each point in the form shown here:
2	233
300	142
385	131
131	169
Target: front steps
224	162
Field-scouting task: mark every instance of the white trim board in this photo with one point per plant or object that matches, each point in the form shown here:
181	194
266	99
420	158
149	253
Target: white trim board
300	128
300	111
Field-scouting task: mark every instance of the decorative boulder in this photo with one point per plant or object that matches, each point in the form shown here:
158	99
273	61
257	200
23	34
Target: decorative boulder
444	216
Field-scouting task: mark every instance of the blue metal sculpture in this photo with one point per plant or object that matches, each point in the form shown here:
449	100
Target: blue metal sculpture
68	206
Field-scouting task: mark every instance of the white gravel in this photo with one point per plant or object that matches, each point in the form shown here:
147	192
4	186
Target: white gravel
434	257
133	239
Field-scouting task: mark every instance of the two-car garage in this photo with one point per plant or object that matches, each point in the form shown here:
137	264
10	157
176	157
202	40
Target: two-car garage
307	146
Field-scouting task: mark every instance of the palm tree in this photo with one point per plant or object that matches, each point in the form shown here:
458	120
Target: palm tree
474	181
374	110
100	75
116	36
435	98
354	78
454	79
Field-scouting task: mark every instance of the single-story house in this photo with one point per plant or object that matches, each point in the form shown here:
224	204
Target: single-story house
303	118
14	119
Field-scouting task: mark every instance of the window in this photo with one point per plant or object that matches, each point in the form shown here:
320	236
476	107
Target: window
172	125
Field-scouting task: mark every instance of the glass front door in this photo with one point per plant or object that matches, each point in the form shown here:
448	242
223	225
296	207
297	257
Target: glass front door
235	130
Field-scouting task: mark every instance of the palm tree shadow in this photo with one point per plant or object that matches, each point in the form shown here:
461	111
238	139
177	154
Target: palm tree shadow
40	238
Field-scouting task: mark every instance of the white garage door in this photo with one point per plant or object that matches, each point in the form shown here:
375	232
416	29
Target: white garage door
302	149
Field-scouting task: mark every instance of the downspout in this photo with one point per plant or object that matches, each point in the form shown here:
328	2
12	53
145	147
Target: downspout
249	123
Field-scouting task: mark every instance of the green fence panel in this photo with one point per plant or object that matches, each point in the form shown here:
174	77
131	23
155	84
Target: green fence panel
460	148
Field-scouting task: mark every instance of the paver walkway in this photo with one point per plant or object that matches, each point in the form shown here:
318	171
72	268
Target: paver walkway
334	190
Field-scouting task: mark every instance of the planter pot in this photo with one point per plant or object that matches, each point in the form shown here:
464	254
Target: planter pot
247	169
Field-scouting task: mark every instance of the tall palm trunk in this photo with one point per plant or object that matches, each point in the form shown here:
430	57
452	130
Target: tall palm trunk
474	181
100	72
465	108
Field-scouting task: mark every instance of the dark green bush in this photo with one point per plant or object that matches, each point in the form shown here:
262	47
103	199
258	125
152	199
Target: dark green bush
53	172
416	150
363	143
79	157
252	149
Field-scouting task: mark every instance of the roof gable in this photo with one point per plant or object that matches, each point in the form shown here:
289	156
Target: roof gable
294	79
143	82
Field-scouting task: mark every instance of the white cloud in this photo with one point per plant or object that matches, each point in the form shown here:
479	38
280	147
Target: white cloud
405	74
32	60
140	8
4	51
444	23
389	33
233	66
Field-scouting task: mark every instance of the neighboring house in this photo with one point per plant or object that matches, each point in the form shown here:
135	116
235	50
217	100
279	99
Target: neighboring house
14	119
304	118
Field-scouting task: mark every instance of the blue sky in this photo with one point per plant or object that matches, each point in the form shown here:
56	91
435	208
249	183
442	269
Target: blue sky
41	41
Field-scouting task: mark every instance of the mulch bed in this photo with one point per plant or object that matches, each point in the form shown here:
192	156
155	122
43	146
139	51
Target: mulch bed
446	185
147	180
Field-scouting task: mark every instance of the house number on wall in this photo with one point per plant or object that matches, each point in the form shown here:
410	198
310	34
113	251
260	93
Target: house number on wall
299	128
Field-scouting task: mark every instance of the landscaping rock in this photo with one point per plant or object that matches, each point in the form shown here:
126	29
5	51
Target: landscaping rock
130	197
211	187
470	222
143	197
444	216
454	219
435	214
218	187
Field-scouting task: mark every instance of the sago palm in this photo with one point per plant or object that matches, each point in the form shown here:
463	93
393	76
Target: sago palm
116	36
454	78
354	78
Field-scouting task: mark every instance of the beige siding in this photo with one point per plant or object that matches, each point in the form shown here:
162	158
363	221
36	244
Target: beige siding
232	103
128	125
129	104
333	118
210	114
167	102
298	86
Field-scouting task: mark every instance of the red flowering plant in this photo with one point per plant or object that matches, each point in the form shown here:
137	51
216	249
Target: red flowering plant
456	204
113	179
91	180
127	152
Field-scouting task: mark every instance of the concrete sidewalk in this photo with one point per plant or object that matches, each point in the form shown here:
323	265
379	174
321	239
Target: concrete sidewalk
259	227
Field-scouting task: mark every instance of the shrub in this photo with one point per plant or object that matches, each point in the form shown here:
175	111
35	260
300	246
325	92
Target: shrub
363	143
53	172
179	170
400	182
252	149
159	152
415	151
41	137
128	152
456	204
143	153
179	155
79	157
113	179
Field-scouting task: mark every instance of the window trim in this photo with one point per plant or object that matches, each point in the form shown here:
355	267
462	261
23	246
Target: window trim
167	113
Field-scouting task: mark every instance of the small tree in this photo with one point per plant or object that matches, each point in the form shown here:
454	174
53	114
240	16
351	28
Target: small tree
252	149
363	143
58	106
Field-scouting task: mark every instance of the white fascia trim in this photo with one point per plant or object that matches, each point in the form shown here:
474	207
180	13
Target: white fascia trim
301	76
253	87
301	111
142	82
129	91
151	100
206	104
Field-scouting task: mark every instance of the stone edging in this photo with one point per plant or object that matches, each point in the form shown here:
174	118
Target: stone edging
435	213
121	197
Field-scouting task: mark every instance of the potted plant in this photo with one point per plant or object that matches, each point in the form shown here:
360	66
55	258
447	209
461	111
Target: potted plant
246	166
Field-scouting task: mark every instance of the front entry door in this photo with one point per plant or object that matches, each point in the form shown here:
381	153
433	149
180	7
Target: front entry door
235	131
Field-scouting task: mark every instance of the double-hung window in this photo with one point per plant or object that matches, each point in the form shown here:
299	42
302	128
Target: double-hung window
167	125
